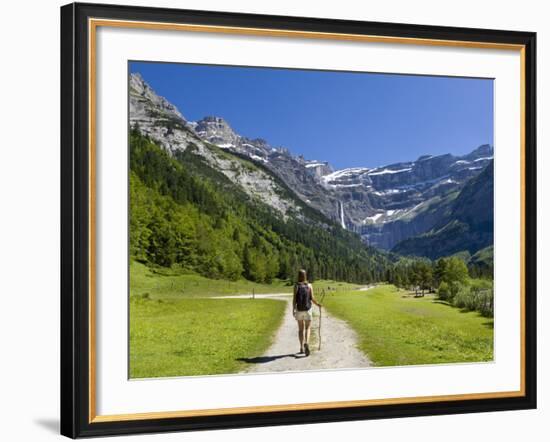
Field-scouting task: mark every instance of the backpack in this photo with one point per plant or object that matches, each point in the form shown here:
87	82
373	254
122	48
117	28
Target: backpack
303	297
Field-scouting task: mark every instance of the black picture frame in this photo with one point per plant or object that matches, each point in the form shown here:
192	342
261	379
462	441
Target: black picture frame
75	221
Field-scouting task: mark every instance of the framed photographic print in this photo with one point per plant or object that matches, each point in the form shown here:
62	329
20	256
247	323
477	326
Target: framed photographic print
273	220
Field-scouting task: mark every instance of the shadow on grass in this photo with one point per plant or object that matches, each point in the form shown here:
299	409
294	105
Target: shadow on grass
489	324
180	353
439	301
467	310
266	359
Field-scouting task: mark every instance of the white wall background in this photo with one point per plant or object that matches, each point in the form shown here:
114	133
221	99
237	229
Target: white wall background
29	221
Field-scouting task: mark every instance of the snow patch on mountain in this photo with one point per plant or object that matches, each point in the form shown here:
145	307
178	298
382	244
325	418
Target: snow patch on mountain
314	164
373	218
384	171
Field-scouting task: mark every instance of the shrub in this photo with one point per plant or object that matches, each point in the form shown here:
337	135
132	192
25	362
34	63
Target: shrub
475	299
465	298
454	289
481	284
443	291
483	300
486	306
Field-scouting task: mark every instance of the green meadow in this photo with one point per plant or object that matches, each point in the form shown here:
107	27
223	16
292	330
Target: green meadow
185	337
397	328
178	328
163	283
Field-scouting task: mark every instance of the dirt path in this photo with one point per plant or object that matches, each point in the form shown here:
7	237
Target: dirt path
367	287
338	344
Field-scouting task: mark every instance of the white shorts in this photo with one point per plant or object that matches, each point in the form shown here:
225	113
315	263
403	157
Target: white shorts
305	315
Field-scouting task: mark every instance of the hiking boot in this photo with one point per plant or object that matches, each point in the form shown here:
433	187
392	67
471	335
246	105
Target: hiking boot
306	347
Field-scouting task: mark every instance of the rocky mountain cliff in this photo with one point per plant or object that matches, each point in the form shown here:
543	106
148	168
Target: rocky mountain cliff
385	205
167	126
405	199
466	226
163	123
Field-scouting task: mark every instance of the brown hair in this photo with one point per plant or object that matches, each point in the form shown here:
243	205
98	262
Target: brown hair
302	276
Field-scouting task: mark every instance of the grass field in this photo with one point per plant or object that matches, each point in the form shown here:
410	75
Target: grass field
177	329
184	337
165	283
395	328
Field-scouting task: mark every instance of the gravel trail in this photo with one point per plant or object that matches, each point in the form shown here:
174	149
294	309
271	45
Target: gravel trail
338	344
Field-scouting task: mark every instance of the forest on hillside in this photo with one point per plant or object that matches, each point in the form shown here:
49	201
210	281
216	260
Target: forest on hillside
184	213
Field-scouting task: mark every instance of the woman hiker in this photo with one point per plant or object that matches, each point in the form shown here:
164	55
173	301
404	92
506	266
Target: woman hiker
302	309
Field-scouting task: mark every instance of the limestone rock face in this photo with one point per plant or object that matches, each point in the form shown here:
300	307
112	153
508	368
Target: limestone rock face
217	131
318	168
145	101
466	226
157	117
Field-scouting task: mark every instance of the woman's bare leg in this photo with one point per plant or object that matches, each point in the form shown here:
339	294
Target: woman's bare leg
307	331
301	333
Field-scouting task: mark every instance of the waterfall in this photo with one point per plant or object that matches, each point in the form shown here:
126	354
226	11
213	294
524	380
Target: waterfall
341	207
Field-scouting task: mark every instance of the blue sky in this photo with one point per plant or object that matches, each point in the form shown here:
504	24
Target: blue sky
348	119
